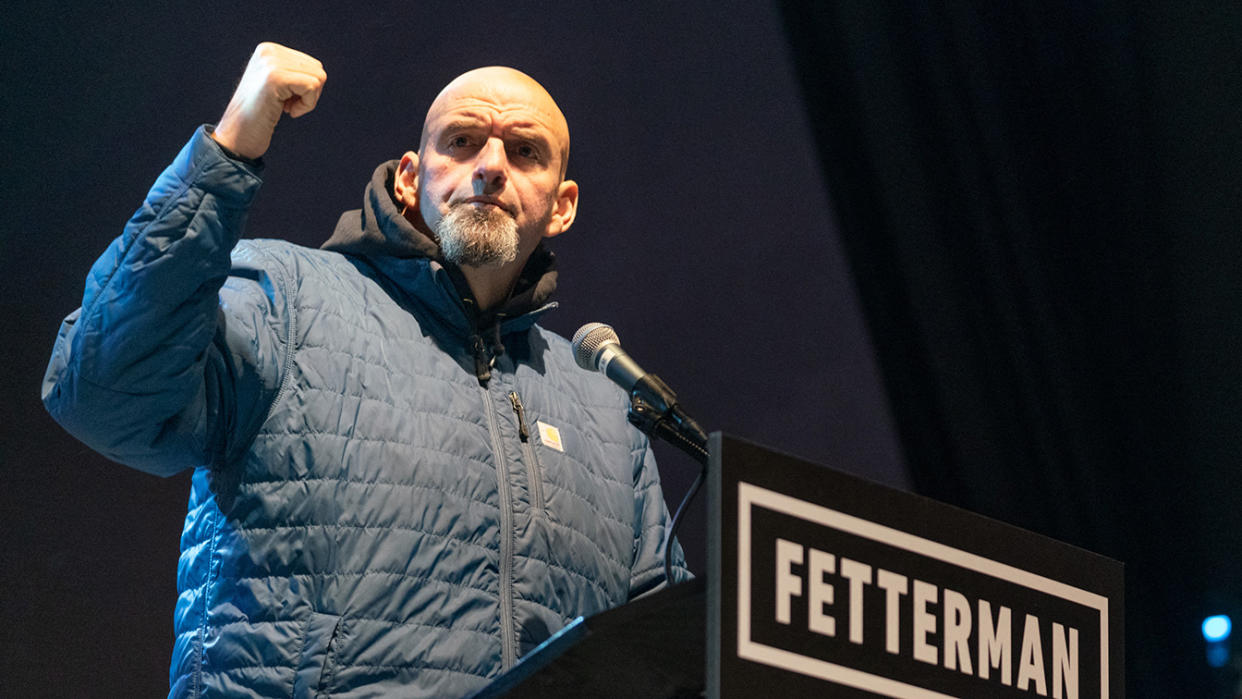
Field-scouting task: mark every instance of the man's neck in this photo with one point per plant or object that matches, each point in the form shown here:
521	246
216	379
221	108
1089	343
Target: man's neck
491	286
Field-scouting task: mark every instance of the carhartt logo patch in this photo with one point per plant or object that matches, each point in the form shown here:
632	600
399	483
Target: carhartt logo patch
549	436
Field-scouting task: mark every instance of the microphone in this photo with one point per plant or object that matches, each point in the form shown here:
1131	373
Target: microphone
653	405
597	348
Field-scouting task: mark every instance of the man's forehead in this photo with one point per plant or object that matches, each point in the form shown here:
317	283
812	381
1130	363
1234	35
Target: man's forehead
473	111
497	89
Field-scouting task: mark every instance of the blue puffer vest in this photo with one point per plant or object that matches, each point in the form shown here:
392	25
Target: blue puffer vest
366	517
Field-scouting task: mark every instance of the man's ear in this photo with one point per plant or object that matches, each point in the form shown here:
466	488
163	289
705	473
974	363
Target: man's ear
405	186
565	210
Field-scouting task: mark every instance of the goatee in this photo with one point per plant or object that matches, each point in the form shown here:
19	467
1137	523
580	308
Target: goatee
478	236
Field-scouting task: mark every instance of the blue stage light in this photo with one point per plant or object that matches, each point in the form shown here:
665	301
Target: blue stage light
1216	628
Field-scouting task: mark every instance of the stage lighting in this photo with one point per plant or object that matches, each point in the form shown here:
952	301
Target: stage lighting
1216	628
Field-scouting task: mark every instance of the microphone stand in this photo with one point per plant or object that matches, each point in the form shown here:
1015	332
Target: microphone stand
655	411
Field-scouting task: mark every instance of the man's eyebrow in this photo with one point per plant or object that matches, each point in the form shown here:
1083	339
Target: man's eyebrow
528	131
532	130
531	133
463	122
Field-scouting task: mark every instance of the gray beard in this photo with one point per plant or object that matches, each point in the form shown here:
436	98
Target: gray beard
477	237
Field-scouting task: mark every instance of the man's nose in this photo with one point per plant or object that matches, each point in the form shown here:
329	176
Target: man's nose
489	167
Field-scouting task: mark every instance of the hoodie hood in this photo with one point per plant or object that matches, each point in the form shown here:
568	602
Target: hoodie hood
378	229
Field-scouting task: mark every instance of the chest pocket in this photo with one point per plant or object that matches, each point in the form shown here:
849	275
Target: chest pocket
582	484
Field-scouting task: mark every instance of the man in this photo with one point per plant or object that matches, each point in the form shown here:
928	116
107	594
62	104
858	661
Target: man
401	483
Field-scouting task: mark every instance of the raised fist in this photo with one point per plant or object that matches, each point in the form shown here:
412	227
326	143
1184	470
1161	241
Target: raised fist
278	79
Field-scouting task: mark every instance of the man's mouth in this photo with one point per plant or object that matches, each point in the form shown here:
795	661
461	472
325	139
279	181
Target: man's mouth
486	202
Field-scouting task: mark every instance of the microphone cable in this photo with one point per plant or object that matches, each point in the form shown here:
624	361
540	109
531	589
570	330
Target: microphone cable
670	534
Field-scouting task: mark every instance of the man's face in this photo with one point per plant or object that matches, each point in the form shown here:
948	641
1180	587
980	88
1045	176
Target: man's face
494	144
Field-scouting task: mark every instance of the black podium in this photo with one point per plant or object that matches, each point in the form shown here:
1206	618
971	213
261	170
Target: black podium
824	584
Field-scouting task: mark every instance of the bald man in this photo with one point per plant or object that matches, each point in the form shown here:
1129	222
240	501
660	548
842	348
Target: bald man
401	483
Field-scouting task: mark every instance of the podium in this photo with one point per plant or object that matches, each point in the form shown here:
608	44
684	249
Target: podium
824	584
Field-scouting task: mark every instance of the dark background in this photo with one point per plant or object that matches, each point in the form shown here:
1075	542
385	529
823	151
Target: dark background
988	251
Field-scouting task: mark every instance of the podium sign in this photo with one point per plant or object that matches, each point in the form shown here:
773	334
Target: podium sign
824	584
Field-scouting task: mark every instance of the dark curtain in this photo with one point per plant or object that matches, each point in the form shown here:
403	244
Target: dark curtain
1039	202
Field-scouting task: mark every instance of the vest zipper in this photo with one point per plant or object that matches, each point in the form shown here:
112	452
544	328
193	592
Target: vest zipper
518	410
508	651
532	466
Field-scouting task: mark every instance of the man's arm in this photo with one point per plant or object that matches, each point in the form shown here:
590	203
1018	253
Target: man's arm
166	365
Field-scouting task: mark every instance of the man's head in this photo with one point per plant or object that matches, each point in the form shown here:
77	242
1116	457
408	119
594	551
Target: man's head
489	179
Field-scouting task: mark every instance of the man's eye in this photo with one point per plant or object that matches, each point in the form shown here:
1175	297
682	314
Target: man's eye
526	150
459	142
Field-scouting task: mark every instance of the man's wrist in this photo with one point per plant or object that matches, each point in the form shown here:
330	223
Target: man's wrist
232	154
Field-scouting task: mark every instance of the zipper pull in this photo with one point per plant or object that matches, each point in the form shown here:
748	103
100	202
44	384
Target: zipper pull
521	415
482	363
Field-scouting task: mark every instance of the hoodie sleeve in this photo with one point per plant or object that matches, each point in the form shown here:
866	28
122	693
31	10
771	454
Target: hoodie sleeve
170	361
651	521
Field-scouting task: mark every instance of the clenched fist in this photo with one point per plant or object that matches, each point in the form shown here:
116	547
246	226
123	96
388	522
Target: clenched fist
278	79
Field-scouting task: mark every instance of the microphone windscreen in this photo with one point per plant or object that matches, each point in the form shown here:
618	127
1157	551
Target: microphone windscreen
588	341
